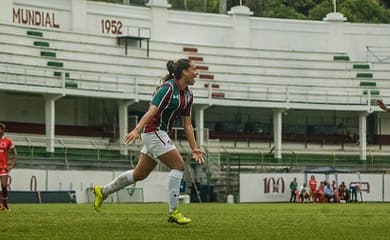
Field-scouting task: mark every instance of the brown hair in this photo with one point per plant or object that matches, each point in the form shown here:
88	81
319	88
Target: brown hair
2	126
176	68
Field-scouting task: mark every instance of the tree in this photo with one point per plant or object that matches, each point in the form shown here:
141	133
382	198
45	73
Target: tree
319	11
367	11
385	3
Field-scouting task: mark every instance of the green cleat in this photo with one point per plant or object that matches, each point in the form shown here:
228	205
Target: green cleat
177	217
97	190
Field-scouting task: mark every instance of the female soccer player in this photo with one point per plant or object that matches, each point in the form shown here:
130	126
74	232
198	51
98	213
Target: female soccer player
382	105
6	144
171	100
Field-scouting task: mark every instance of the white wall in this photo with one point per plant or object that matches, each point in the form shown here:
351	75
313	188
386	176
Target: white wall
210	29
252	188
155	187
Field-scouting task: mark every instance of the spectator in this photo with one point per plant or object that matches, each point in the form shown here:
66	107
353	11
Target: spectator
312	186
353	192
335	191
343	192
6	145
293	189
319	193
304	193
328	192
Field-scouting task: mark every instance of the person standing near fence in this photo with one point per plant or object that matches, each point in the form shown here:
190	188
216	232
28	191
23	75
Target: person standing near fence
170	101
6	145
293	190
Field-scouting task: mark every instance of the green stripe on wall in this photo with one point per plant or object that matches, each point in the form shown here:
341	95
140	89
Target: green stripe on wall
361	66
364	75
48	54
341	58
69	84
55	64
35	33
57	74
373	92
368	84
41	44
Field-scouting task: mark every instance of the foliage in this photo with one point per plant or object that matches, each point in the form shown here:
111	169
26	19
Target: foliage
368	11
210	221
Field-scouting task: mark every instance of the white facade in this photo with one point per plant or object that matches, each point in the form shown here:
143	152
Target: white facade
201	28
255	62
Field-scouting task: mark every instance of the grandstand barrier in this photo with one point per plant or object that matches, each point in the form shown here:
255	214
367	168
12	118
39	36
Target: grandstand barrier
42	197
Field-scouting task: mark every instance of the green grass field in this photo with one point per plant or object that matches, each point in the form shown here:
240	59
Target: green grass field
210	221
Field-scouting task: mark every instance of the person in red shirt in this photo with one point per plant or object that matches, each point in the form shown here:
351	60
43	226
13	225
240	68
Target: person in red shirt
6	145
312	187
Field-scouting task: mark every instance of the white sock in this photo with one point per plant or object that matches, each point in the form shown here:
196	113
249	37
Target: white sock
174	180
123	180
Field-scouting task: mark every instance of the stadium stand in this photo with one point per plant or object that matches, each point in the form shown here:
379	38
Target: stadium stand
102	66
88	62
81	64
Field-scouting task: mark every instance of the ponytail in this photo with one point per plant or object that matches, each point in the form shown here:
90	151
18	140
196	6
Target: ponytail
176	68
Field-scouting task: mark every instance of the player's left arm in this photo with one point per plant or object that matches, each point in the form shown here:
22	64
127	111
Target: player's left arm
197	153
13	162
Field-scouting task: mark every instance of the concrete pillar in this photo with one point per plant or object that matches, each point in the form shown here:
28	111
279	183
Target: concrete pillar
241	26
50	120
79	16
123	124
6	11
336	41
199	122
159	18
277	117
363	135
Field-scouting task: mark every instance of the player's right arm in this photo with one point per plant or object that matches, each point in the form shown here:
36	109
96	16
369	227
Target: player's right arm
160	97
13	162
134	135
381	104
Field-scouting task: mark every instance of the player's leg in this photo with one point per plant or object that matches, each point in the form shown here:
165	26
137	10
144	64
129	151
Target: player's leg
142	170
175	162
4	190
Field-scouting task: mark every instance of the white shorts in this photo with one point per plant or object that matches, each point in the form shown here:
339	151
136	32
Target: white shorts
156	144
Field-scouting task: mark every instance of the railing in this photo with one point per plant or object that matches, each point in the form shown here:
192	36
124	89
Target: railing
291	160
65	148
136	31
136	86
378	54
